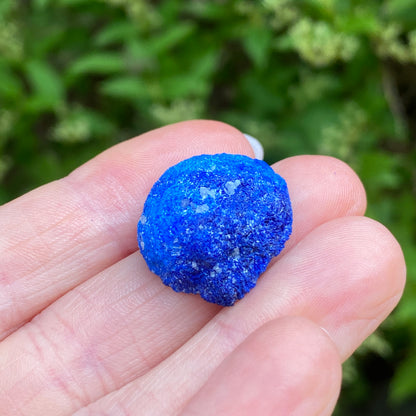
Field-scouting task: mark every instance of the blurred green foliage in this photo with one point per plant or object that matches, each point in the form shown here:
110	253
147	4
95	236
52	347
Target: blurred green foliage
308	76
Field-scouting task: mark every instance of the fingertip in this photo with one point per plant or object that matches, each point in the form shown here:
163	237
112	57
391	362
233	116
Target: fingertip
288	366
144	158
316	353
321	188
330	174
387	253
355	285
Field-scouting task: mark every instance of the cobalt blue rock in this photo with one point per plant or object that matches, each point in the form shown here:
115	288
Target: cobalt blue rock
212	223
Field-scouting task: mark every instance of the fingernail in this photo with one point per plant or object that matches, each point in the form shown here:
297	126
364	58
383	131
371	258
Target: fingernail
326	332
256	146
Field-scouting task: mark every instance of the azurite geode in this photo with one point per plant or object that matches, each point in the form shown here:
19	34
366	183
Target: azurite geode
212	223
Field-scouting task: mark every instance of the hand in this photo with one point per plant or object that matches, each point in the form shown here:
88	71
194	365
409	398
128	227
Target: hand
87	329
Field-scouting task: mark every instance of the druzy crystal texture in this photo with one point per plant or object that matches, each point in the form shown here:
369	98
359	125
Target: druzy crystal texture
212	223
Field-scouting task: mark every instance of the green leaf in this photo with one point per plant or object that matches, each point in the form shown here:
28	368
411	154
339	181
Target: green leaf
399	7
74	2
205	65
379	171
115	33
402	10
41	4
98	63
6	6
171	38
193	83
10	84
138	51
363	22
207	9
46	84
257	44
403	385
128	88
99	125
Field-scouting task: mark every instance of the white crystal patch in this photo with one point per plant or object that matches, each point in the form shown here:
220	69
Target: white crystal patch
236	253
217	268
200	209
231	186
205	192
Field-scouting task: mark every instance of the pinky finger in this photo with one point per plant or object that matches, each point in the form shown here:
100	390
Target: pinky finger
289	366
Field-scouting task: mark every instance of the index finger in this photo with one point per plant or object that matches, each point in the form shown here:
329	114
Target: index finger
63	233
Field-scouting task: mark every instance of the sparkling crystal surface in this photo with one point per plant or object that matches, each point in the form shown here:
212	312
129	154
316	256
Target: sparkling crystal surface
212	223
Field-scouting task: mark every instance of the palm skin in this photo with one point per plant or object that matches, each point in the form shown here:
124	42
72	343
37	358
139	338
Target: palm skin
86	329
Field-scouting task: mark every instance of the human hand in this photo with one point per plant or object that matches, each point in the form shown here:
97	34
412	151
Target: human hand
87	329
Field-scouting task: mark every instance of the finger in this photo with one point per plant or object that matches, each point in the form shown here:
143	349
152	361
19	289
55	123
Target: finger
286	367
346	275
134	322
325	188
63	233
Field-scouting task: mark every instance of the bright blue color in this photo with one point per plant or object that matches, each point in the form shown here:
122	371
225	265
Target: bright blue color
212	223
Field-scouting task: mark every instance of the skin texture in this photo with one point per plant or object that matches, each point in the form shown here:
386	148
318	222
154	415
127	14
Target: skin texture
87	329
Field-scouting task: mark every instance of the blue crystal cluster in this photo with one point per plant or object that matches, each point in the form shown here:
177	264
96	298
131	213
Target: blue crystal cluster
212	223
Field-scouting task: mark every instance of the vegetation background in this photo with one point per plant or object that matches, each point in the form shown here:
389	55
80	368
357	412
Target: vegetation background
336	77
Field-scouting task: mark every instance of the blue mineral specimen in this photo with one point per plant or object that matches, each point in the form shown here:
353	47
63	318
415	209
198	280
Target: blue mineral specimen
212	223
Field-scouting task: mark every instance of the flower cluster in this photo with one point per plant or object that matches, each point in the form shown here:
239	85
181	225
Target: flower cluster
320	45
11	43
72	129
284	12
312	87
339	138
139	11
178	110
392	42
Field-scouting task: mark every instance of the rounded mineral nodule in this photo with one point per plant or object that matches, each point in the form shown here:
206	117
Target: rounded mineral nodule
212	223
